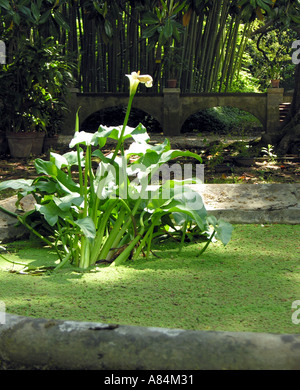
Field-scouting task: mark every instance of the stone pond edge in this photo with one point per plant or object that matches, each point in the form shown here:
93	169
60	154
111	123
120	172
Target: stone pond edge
50	344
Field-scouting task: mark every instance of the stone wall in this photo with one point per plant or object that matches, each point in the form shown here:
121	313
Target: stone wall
172	108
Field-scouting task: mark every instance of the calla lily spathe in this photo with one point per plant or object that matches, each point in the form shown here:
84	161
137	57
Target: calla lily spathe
135	78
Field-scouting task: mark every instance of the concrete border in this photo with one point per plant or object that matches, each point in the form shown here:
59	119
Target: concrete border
28	343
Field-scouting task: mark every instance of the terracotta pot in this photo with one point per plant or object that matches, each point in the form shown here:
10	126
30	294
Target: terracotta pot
172	83
37	143
275	83
20	144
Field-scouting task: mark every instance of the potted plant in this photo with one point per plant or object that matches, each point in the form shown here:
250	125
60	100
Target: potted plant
32	88
275	75
172	64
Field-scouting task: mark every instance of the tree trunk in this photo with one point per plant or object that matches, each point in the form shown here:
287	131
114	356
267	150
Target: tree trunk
289	140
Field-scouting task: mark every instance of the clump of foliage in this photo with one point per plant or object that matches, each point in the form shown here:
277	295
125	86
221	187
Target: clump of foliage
112	213
33	87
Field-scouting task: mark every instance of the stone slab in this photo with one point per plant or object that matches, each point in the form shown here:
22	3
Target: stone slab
235	203
253	203
10	228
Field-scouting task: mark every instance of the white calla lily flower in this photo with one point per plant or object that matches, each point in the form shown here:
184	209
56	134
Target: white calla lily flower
135	78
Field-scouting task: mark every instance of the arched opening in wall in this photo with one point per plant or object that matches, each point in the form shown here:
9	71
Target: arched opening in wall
229	121
114	116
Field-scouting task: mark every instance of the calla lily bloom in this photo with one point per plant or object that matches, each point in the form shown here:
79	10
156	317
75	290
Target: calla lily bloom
135	78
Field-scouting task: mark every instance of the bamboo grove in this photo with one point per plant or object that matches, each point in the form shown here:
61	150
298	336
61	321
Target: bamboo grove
203	40
114	40
200	42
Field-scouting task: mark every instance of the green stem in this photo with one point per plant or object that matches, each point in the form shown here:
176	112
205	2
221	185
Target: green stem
80	170
12	262
125	254
78	155
112	236
92	187
85	253
120	140
8	212
86	175
63	262
183	236
100	233
142	244
34	231
130	219
206	245
97	202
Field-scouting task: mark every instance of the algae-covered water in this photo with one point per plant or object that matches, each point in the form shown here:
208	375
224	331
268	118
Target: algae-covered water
249	285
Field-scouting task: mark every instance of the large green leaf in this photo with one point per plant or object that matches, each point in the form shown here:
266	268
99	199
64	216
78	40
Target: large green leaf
51	212
46	167
154	156
150	31
27	12
61	20
150	18
49	168
67	159
45	184
66	202
72	157
45	17
5	4
180	199
58	160
108	28
83	138
168	28
87	227
172	154
223	229
35	11
176	206
142	148
16	184
138	133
